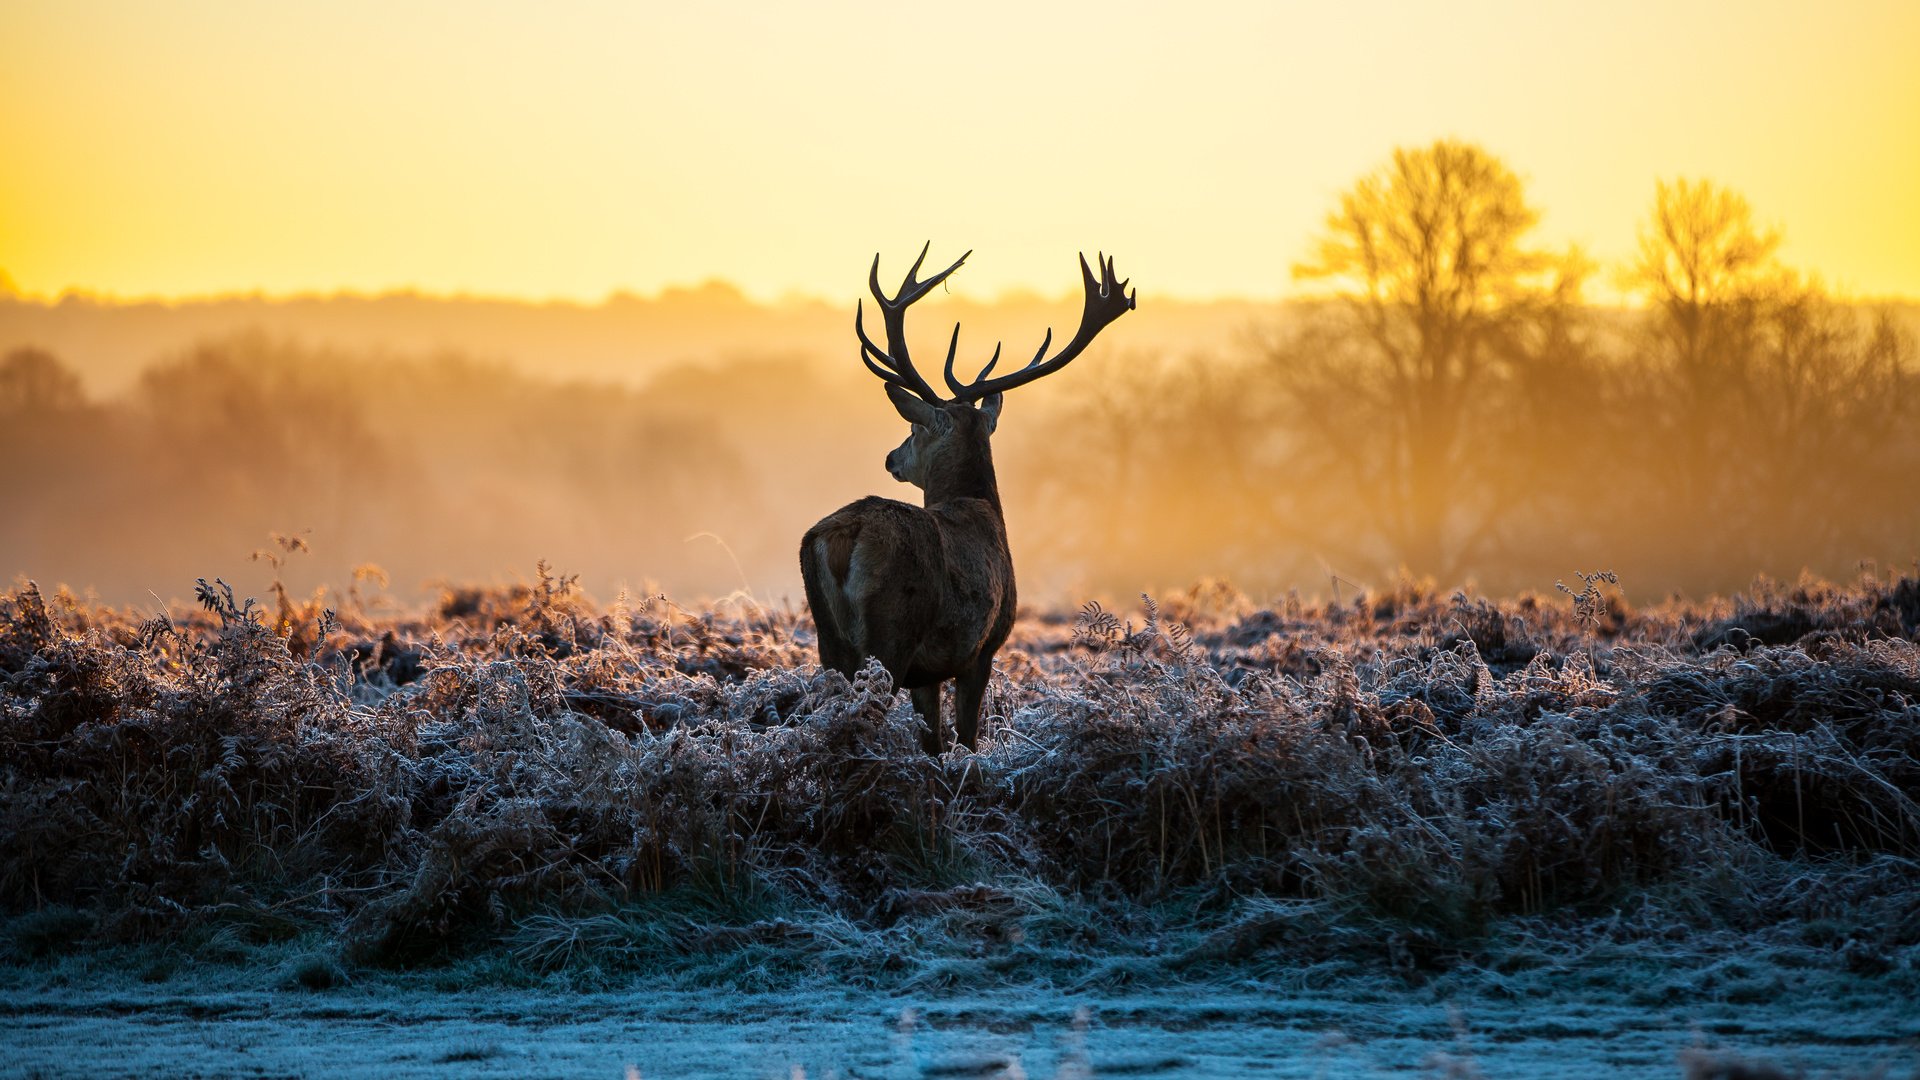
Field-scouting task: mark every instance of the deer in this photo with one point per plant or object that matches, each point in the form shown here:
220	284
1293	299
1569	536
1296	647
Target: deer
928	590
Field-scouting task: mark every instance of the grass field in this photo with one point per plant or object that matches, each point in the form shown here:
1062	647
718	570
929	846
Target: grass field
1404	794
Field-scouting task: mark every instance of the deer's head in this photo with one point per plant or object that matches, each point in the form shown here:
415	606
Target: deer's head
943	437
949	435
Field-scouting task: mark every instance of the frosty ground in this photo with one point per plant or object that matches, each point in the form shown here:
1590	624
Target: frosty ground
389	1028
522	834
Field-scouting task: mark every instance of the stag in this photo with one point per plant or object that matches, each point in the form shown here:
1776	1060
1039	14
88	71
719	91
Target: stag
928	590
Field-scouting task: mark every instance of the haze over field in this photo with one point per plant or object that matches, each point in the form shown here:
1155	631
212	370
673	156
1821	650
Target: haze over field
626	339
684	444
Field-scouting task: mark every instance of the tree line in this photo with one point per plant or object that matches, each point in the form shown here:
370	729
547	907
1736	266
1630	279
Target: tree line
1447	403
1451	406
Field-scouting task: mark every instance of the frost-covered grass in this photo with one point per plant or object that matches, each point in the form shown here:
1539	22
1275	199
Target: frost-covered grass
520	789
85	1015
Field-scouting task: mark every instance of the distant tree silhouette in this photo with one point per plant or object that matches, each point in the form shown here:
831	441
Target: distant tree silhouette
1774	411
1709	275
52	444
1700	251
1429	256
1444	404
35	381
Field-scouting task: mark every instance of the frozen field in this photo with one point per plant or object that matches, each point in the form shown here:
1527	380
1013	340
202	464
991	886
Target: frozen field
1403	835
182	1030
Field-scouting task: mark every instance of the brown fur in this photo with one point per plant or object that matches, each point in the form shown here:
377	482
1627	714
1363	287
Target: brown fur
840	550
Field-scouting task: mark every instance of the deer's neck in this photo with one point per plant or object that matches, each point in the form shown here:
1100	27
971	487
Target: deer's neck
967	476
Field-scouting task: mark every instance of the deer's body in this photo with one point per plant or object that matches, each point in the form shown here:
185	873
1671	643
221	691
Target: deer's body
929	590
946	624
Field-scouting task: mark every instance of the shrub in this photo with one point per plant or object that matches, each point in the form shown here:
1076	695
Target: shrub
1433	764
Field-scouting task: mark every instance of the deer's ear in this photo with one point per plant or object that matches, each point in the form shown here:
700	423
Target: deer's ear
990	405
911	408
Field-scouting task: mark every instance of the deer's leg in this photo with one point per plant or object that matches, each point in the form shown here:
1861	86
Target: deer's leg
926	702
968	691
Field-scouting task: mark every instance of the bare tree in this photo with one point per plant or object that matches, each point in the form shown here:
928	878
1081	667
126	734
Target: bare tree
1776	413
1709	275
1429	258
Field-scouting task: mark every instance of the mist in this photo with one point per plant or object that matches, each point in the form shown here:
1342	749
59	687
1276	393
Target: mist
1259	458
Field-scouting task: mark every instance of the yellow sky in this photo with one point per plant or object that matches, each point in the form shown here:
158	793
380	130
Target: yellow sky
569	149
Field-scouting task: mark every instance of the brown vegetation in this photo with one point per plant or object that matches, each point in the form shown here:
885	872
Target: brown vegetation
1396	776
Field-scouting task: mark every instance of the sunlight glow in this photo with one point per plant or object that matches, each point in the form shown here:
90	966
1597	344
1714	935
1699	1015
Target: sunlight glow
570	150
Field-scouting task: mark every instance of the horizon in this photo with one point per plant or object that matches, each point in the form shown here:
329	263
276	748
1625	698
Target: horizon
731	292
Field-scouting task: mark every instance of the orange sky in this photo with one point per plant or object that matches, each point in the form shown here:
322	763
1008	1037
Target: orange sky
572	149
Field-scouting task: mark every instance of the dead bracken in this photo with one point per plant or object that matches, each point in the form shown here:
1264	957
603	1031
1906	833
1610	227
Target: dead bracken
1408	780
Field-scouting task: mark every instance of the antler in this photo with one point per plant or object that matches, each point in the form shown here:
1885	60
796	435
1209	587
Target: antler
892	363
1107	300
